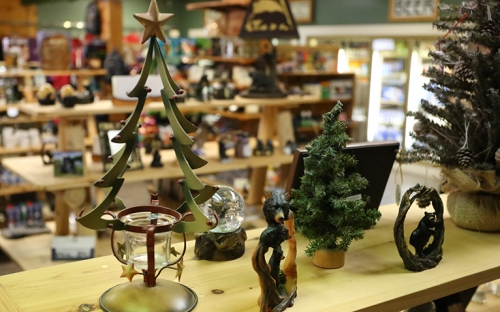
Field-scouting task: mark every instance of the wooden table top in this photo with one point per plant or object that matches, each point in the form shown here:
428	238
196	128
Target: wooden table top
373	278
32	169
107	107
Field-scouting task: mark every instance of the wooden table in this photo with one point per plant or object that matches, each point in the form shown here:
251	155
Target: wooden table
373	278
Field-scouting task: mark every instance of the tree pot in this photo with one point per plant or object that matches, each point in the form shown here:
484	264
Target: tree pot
474	211
329	258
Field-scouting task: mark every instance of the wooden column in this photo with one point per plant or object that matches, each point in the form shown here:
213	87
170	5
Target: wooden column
267	130
112	23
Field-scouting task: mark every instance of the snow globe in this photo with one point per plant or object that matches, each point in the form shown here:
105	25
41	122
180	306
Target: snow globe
227	240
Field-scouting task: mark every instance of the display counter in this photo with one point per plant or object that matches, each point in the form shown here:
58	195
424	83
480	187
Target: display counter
373	278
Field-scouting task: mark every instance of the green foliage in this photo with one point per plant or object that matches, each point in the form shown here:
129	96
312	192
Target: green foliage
323	215
465	80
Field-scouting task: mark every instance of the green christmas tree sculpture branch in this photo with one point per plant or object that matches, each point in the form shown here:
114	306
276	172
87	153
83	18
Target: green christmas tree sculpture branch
112	180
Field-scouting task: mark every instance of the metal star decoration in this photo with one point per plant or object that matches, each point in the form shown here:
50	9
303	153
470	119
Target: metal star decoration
129	271
153	22
180	268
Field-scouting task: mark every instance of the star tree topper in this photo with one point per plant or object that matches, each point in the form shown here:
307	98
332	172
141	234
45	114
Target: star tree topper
153	22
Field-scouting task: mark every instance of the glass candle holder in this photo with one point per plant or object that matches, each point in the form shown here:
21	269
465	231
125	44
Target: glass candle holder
136	244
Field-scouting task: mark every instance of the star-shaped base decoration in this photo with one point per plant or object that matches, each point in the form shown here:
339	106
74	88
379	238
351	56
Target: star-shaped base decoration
180	268
129	271
153	22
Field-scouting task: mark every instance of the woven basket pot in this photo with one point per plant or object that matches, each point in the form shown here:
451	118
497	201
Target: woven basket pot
475	211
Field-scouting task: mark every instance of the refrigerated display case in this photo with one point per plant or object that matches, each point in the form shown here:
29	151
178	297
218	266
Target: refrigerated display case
420	62
354	57
388	90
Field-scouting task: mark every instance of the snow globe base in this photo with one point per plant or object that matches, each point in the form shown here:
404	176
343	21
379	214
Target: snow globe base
166	296
220	246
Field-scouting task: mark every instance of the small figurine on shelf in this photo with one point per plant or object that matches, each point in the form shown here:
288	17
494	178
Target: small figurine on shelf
242	147
269	147
259	148
46	95
225	142
156	147
67	96
289	148
426	255
278	287
203	92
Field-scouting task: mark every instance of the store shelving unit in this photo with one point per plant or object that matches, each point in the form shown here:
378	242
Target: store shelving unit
32	170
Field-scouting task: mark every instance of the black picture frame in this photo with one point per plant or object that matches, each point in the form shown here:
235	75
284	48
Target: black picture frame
68	163
375	162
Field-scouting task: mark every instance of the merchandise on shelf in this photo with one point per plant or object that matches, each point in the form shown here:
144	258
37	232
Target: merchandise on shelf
24	218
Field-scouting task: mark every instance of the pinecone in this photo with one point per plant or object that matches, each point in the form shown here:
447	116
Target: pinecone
463	72
465	157
419	128
490	28
424	200
497	157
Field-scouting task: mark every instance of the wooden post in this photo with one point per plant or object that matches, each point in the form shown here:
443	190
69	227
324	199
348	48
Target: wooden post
112	23
267	130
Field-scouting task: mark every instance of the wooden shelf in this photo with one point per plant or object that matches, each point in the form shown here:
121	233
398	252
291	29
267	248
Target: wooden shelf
39	72
220	59
222	5
5	107
314	74
17	189
239	116
19	150
23	119
32	170
392	103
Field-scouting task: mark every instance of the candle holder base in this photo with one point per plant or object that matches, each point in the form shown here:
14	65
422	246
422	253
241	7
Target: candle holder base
166	296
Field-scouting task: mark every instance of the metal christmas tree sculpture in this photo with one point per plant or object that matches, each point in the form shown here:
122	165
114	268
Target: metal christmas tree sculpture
148	228
427	253
460	129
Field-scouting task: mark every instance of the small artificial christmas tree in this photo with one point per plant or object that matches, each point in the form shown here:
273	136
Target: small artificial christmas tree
324	213
461	131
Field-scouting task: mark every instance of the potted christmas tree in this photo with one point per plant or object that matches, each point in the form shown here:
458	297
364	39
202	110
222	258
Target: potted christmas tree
460	130
328	212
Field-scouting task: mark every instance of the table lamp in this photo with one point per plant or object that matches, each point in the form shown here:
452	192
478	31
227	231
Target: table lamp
267	19
147	229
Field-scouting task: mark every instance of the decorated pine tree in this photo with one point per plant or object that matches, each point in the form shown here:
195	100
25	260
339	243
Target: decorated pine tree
460	130
328	212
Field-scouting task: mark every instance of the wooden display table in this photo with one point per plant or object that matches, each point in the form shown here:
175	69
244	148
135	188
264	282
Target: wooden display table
373	278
